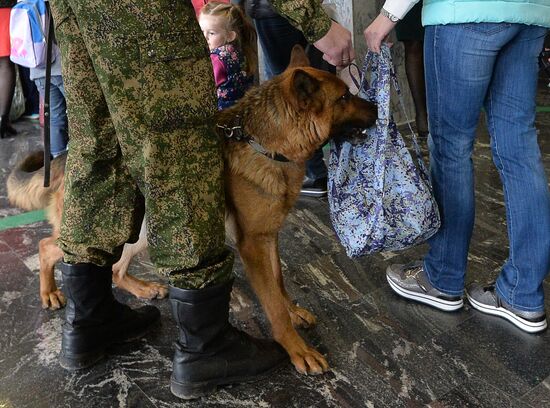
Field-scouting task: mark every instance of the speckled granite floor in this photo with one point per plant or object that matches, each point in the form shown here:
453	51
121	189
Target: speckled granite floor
384	351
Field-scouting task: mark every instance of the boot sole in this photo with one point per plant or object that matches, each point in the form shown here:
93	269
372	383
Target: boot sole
190	391
86	360
81	361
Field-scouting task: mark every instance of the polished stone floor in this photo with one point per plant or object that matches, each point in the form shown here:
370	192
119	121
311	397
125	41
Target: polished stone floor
383	351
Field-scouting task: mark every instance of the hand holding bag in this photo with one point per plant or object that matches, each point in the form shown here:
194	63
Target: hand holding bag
379	199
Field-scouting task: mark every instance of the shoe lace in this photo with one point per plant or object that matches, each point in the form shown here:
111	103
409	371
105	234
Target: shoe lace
490	287
413	272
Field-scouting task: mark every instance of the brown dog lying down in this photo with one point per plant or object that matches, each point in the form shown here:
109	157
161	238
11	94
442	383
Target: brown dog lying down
288	117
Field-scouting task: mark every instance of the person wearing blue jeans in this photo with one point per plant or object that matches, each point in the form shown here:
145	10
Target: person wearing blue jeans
478	57
277	37
59	135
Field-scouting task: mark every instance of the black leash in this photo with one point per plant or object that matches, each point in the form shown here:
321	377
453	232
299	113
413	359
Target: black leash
49	46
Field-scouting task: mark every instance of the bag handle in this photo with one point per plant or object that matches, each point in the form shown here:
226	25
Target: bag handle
393	77
363	84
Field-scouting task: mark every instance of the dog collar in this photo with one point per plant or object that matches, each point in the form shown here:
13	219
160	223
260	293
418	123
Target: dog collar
236	132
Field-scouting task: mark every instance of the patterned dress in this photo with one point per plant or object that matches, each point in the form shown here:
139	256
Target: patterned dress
230	74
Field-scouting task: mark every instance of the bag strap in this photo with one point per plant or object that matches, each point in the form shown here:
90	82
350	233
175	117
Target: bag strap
49	46
385	58
416	146
354	77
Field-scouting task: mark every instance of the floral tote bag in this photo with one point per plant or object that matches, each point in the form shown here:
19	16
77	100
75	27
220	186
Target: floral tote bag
379	199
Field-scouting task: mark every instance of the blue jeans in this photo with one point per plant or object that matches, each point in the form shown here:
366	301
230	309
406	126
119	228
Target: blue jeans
59	135
277	37
491	66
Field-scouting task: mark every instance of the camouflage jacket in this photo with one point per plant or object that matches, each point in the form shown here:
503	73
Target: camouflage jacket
307	15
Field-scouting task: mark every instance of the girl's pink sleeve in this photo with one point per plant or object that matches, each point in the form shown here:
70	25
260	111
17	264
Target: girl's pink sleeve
220	74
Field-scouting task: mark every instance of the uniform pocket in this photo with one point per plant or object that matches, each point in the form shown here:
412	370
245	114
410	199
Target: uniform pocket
176	79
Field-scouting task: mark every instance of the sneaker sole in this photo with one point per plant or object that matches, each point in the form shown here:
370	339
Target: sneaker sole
441	304
318	194
525	325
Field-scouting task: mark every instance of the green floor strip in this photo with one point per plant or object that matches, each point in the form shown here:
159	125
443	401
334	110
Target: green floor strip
22	219
543	108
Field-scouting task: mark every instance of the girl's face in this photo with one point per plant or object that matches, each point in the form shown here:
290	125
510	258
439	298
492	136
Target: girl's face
214	31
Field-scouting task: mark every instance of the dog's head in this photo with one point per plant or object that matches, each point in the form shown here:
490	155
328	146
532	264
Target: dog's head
321	92
298	111
321	104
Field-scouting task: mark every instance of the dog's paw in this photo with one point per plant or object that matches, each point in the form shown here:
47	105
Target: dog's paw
159	290
149	290
139	288
53	300
309	361
301	317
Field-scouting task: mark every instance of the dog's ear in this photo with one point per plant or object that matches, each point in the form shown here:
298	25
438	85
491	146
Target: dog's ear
305	88
298	57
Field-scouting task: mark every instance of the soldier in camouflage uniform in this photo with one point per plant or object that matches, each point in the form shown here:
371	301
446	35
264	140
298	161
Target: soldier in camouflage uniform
140	99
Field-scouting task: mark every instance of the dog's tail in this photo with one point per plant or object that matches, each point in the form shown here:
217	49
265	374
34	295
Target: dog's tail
26	181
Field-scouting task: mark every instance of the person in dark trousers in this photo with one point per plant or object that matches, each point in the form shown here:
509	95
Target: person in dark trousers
7	70
277	37
411	33
31	94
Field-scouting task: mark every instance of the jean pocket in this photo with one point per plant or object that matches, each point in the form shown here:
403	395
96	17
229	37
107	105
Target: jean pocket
486	28
176	80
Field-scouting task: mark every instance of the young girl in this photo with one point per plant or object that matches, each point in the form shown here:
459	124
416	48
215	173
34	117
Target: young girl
232	42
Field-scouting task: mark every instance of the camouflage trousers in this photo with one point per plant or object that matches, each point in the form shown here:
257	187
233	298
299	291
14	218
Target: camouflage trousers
140	99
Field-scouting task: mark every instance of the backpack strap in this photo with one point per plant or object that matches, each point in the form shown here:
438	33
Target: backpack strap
49	46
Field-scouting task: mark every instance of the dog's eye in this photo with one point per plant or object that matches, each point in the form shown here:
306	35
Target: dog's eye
346	96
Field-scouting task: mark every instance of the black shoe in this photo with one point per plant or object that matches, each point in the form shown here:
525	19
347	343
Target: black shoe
5	127
94	320
314	188
209	351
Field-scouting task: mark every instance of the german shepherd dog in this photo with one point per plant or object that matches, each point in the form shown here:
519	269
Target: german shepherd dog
269	135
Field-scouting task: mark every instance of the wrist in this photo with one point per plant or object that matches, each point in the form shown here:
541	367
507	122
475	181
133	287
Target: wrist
388	15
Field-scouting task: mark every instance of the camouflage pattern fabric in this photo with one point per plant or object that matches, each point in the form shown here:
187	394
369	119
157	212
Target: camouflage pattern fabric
306	15
140	99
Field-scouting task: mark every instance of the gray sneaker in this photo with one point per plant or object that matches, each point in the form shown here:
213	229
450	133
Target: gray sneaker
411	282
486	300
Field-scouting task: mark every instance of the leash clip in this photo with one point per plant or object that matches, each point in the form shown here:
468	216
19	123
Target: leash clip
231	132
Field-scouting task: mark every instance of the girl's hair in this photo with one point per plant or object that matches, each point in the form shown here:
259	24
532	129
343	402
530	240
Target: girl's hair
236	20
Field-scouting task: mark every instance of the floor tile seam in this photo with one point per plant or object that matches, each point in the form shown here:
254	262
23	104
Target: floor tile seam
501	391
540	384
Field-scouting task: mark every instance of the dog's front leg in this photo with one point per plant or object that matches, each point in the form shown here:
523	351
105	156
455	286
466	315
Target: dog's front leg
255	254
49	254
129	283
299	316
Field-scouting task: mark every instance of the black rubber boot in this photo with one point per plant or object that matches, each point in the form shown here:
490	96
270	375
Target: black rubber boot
210	352
94	320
